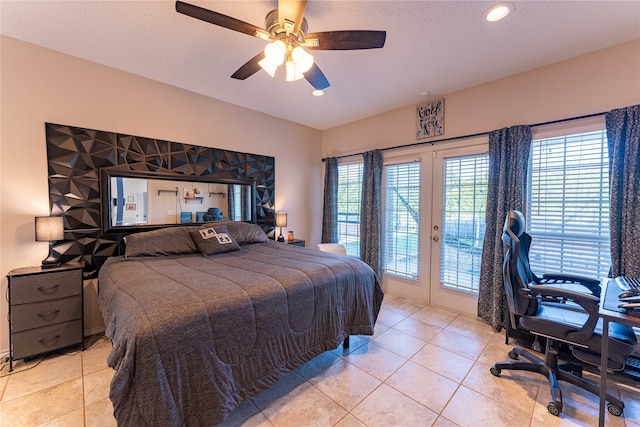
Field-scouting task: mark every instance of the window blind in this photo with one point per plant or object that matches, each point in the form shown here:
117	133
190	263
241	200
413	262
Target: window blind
401	220
568	205
349	194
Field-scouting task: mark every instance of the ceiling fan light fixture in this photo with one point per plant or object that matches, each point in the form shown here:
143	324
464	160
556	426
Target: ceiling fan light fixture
268	66
275	52
499	11
292	72
302	59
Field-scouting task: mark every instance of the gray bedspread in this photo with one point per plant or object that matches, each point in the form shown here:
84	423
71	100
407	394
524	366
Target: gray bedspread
193	336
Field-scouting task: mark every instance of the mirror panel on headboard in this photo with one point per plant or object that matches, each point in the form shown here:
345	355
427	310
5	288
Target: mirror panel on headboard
134	201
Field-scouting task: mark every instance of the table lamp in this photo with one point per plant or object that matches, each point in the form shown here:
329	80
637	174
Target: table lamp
281	221
49	229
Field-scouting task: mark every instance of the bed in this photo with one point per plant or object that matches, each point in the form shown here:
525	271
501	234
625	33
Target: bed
200	324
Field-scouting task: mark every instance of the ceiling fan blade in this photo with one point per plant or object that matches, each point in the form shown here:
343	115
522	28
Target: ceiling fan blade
221	20
316	77
345	40
249	68
292	11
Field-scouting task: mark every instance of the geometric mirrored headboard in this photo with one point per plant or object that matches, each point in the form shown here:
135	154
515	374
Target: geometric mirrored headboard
76	155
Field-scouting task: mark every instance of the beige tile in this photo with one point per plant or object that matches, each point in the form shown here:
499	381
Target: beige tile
435	316
471	328
469	408
355	342
350	421
389	317
43	405
495	351
399	343
286	385
573	413
519	388
388	407
246	414
256	420
402	305
423	385
72	419
305	403
375	360
317	365
51	371
631	400
443	422
345	383
443	362
95	358
100	414
460	344
416	328
96	385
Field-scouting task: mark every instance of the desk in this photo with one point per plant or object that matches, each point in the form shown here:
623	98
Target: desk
609	313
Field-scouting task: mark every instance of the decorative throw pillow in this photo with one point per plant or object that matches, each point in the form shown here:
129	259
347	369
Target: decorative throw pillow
243	232
164	241
214	240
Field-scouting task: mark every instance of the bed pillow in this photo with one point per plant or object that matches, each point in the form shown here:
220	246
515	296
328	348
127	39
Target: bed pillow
164	241
214	240
243	232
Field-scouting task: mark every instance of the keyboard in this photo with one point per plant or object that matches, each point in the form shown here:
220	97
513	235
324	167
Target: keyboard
628	283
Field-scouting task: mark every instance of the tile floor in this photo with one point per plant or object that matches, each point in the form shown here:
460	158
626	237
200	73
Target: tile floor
424	367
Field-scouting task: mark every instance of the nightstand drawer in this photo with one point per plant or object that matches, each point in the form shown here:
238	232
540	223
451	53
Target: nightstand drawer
44	287
29	316
49	338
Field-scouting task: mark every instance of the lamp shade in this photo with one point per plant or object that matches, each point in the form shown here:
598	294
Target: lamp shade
281	219
49	228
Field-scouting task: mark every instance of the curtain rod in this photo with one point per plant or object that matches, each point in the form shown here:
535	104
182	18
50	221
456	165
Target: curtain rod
455	138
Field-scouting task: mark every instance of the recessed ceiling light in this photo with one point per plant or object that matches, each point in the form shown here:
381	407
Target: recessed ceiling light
317	92
499	11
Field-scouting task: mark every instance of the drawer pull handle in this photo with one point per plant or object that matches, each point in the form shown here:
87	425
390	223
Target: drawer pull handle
49	316
48	290
49	342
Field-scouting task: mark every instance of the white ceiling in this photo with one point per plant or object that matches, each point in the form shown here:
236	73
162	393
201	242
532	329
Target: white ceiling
437	47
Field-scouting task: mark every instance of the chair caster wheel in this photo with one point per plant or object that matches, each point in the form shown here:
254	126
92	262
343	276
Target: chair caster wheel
553	409
614	410
494	371
513	355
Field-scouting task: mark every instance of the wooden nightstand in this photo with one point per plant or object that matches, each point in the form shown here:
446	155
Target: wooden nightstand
45	310
296	242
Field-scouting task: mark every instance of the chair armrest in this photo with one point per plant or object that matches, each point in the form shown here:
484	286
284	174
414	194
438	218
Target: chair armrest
558	279
589	303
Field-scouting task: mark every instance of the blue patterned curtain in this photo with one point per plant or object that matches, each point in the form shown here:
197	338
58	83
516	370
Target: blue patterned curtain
508	163
623	136
330	207
371	209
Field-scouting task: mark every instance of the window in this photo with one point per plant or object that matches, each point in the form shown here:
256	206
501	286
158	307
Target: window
349	191
568	205
463	221
401	219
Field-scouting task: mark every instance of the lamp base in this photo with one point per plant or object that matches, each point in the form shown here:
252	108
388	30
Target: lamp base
50	261
280	237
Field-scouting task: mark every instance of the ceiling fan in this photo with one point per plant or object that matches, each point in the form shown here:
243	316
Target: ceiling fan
286	30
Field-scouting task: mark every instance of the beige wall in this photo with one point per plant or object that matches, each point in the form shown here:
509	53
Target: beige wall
588	84
40	85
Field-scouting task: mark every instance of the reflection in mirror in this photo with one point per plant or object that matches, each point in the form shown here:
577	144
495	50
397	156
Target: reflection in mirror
140	200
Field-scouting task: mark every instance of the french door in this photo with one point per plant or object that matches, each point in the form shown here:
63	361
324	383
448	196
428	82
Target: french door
457	226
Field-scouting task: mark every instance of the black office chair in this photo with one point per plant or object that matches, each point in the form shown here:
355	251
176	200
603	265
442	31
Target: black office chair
543	310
